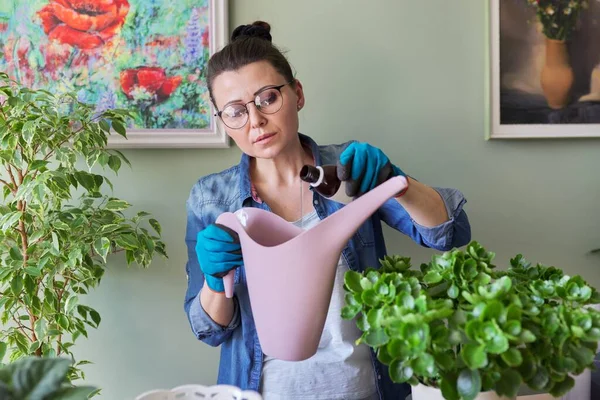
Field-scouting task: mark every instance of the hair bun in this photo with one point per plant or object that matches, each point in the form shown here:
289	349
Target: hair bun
258	29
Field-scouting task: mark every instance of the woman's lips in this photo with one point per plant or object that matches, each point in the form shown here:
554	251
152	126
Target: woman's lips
264	138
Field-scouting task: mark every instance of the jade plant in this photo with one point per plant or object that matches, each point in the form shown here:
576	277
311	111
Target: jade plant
40	378
463	326
58	225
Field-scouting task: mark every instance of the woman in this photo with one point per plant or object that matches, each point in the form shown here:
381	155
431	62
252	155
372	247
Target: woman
258	99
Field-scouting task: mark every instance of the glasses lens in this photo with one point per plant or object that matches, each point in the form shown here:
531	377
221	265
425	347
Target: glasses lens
234	116
269	101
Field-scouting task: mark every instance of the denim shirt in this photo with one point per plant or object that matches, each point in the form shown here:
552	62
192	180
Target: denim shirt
241	354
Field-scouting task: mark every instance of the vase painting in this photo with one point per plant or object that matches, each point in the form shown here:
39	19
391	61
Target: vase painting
544	69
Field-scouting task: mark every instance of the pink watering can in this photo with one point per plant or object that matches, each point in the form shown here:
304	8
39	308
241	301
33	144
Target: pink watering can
290	272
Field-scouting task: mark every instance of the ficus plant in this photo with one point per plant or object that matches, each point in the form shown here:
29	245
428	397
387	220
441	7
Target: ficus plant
461	325
57	224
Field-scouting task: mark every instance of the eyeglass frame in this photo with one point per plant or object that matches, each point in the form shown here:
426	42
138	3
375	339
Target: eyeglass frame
245	105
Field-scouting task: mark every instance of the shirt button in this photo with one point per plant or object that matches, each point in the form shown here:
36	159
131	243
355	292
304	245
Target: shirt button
378	376
316	202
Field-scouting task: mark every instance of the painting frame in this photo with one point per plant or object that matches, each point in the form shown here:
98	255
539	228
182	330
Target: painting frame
498	130
212	137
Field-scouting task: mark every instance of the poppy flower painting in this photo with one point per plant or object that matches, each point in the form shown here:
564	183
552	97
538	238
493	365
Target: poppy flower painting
148	56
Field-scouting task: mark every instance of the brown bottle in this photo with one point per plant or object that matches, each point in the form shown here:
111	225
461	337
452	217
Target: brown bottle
324	180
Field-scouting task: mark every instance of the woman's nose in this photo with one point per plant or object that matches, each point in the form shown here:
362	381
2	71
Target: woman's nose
257	119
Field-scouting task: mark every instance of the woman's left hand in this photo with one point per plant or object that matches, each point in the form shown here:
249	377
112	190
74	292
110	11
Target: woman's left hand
364	167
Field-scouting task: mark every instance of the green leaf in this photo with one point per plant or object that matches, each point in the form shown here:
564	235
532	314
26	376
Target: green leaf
33	271
432	277
127	241
10	219
493	311
424	365
400	373
16	285
55	245
375	317
71	303
114	163
453	291
512	357
95	316
104	125
117	205
15	253
509	383
36	378
102	247
468	384
540	379
86	180
563	387
376	338
448	387
445	360
370	298
474	355
118	127
63	321
40	329
155	225
2	351
527	336
582	354
352	281
513	328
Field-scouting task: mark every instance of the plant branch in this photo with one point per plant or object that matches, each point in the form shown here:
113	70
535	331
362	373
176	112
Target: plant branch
12	177
20	325
73	134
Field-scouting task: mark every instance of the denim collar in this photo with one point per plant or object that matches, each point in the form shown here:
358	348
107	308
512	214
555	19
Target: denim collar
244	166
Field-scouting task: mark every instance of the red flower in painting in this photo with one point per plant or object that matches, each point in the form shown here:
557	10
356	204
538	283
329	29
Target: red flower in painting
86	24
153	80
205	38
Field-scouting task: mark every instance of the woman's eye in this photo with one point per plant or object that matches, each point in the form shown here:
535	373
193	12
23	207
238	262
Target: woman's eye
268	98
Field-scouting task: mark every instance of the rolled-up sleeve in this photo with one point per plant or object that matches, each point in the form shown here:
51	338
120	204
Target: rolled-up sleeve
201	323
455	232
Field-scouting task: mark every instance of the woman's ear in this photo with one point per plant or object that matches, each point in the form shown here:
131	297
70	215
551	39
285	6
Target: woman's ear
299	95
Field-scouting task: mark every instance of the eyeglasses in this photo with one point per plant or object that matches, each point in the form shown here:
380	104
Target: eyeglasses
267	101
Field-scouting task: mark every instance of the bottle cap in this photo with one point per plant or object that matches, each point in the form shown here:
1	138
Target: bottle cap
311	174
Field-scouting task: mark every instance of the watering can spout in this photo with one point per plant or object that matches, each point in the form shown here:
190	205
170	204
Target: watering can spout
290	272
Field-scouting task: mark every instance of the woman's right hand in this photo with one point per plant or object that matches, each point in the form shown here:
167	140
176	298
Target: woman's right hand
218	250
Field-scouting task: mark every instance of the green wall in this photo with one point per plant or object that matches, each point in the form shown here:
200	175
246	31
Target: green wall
407	76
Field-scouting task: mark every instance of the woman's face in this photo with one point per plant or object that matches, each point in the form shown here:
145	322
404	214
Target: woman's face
263	135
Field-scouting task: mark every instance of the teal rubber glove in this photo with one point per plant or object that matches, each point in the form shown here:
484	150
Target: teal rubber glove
364	167
218	250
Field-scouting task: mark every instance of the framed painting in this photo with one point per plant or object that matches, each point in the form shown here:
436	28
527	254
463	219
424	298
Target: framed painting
544	69
149	56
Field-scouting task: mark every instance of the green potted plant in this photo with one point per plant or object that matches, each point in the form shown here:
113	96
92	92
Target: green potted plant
41	379
457	328
57	227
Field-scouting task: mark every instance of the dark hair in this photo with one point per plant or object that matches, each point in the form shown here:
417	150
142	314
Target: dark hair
248	44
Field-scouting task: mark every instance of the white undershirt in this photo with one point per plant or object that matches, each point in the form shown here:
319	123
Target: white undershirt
339	370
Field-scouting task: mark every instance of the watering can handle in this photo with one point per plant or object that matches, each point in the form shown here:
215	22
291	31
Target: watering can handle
228	283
